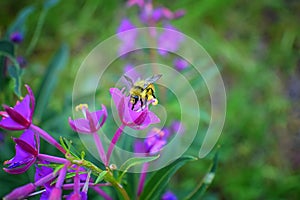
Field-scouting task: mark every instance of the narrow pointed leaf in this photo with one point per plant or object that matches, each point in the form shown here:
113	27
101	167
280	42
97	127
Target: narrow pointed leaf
19	23
58	62
100	177
135	161
15	74
159	180
50	3
198	192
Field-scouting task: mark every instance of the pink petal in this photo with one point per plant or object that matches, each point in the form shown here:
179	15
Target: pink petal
24	107
9	124
80	125
32	99
20	170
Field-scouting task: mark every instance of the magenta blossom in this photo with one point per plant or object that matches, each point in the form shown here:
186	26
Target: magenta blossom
158	14
91	122
133	119
155	141
180	64
169	40
27	148
20	116
128	39
41	172
140	3
21	192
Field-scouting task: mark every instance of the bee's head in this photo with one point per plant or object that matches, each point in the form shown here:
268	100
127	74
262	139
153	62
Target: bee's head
134	99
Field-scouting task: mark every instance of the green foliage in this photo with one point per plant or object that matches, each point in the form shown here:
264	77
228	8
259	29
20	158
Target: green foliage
201	188
255	44
159	180
49	81
6	48
131	162
20	23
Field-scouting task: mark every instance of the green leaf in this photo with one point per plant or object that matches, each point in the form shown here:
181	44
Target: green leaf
72	174
198	192
47	86
100	177
58	168
6	47
135	161
19	23
160	179
37	32
15	74
50	3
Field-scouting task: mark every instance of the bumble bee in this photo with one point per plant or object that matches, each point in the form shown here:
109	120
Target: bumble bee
142	91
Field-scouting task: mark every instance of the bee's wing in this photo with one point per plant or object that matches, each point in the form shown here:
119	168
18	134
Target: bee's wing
129	80
151	79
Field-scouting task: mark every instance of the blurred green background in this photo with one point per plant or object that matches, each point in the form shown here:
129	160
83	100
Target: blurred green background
256	47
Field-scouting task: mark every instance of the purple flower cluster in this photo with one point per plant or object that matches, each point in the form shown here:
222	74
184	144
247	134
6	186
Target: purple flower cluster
28	152
54	175
150	16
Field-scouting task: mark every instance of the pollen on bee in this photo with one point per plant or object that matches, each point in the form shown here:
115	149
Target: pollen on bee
154	102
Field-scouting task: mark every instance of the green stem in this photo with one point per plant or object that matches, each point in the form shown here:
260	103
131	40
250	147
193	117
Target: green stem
11	58
108	177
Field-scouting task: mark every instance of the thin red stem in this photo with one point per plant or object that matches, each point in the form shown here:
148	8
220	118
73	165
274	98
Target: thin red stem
113	143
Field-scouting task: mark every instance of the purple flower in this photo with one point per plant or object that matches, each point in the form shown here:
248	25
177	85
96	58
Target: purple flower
153	144
21	192
128	39
56	192
140	3
169	40
91	122
75	195
180	64
179	14
19	117
152	16
125	25
162	13
27	149
136	120
22	61
16	37
177	127
169	196
42	178
41	172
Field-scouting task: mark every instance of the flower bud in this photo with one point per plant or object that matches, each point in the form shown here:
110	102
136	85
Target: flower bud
21	192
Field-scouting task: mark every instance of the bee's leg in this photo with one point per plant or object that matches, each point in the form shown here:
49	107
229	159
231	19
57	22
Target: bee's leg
133	105
151	92
142	103
146	99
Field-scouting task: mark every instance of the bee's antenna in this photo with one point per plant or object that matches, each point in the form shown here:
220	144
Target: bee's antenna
128	80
